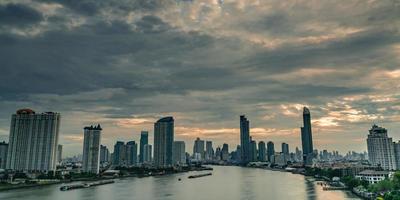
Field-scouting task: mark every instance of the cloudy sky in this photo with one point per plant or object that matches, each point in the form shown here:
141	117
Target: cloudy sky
126	63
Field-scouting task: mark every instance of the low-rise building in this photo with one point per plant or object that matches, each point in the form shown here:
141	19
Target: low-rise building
374	176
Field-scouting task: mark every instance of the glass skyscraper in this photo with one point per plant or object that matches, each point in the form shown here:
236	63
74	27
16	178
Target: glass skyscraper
144	139
244	139
163	142
91	149
306	137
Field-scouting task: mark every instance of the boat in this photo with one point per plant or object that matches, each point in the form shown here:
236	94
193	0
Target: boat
200	175
85	185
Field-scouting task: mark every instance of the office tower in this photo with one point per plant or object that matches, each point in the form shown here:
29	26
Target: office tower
179	153
397	154
245	139
119	158
218	153
238	153
144	139
131	153
380	148
270	150
91	149
306	137
209	150
285	149
198	149
59	153
225	152
33	141
163	142
104	154
261	151
147	150
3	154
299	154
253	151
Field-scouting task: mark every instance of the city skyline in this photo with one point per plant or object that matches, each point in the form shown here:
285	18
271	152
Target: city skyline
126	64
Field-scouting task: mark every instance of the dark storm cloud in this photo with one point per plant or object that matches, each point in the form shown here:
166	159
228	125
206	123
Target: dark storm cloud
18	15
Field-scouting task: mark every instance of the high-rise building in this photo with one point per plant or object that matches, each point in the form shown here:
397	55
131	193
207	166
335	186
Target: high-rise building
163	142
218	153
285	149
119	158
33	141
380	148
147	150
261	151
198	148
59	153
245	139
270	150
3	154
397	153
179	153
91	149
144	139
306	137
225	152
209	150
104	154
131	153
253	151
238	153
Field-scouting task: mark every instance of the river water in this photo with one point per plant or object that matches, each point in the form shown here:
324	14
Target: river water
226	183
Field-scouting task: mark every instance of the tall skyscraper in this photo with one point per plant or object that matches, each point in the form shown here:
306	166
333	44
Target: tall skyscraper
3	154
198	149
131	153
261	151
270	150
163	142
253	151
147	151
285	149
245	139
209	150
225	152
104	154
33	141
119	158
179	153
91	149
380	148
59	153
144	139
306	137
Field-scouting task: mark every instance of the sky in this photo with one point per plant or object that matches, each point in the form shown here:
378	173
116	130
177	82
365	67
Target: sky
126	63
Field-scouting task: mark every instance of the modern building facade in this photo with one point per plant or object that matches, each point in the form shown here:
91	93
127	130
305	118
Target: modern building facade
198	149
285	149
261	151
144	139
225	152
104	154
131	153
381	148
119	157
91	149
209	151
397	153
147	152
253	151
163	142
306	137
270	151
3	154
244	139
179	153
33	141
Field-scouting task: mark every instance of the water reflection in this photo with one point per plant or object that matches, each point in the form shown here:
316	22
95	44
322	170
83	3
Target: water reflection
232	183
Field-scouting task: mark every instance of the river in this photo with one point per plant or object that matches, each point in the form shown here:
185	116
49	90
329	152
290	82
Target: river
226	183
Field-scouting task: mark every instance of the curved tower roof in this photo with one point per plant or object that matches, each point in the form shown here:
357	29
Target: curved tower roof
166	119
